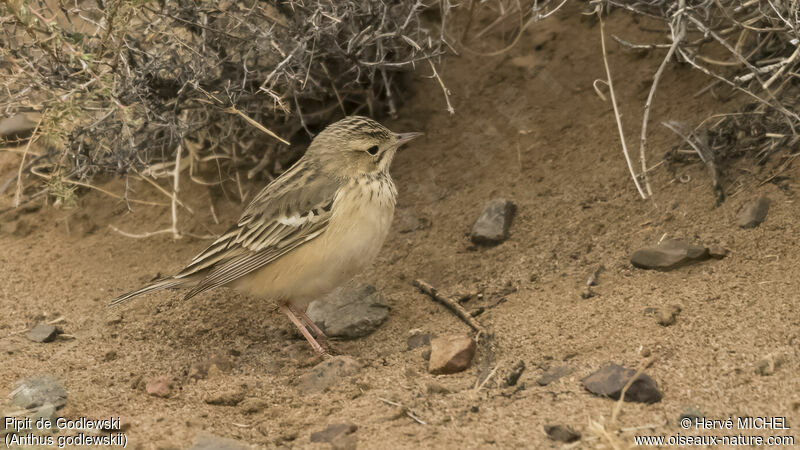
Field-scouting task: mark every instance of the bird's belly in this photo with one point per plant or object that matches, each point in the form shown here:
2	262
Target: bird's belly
351	241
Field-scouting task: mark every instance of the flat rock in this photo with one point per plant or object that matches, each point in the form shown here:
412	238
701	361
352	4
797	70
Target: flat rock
35	392
611	379
211	442
561	433
350	312
669	254
451	354
43	332
754	213
553	374
16	127
328	373
333	432
493	224
160	386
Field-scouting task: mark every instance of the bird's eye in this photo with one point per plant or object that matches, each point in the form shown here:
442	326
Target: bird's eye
373	150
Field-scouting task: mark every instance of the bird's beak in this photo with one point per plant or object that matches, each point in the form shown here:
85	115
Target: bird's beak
402	138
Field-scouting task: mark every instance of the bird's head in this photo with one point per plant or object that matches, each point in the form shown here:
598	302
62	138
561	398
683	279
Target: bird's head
357	145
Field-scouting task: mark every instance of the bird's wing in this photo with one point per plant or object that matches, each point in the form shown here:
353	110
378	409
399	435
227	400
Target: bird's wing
291	211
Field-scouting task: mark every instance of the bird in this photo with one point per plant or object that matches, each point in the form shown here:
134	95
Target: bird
308	231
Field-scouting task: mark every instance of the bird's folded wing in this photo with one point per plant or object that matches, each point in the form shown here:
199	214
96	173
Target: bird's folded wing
290	212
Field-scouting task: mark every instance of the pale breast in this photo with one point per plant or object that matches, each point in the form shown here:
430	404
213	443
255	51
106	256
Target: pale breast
362	215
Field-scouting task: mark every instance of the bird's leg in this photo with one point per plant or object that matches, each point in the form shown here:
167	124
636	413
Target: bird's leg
321	337
310	323
314	344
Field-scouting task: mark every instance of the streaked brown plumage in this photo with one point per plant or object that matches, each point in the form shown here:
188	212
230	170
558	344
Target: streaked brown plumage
311	229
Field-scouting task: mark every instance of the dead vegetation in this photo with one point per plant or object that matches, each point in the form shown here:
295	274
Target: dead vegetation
749	50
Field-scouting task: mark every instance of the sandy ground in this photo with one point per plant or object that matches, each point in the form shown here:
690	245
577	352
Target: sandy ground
529	127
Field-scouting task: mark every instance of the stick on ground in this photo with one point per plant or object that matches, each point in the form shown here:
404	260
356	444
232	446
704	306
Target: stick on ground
451	303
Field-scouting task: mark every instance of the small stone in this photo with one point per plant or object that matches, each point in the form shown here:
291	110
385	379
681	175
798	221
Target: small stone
43	332
611	379
669	254
227	398
350	312
209	367
717	252
38	391
553	374
211	442
754	213
159	386
666	316
587	292
493	225
516	372
451	354
17	127
561	433
110	355
253	405
418	340
328	373
333	431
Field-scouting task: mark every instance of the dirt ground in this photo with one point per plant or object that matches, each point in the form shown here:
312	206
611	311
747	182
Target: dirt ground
528	127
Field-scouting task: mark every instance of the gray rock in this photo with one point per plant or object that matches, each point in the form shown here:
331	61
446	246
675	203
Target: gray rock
669	254
327	374
561	433
35	392
611	379
553	374
43	333
754	213
350	312
211	442
492	226
16	127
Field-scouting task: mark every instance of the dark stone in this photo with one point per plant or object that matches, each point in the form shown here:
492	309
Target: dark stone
43	332
553	374
561	433
38	391
670	254
754	213
350	312
493	225
611	379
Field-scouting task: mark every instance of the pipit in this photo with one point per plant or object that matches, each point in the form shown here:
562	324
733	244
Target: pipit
311	229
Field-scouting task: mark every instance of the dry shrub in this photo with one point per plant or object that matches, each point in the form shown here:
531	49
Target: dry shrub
749	49
135	86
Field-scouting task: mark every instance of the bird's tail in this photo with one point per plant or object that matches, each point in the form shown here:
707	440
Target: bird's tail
164	283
